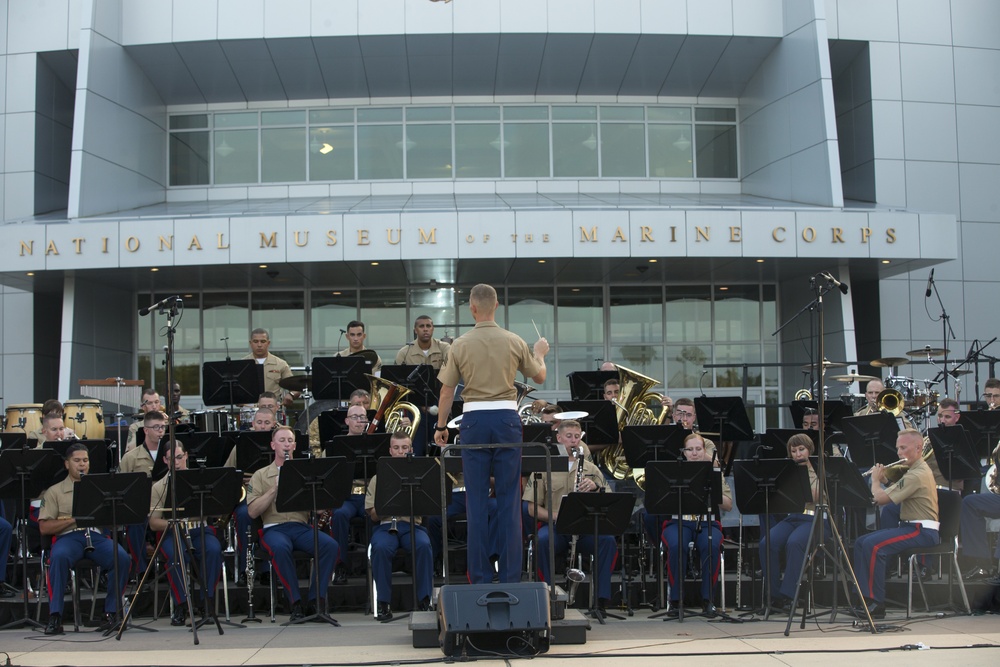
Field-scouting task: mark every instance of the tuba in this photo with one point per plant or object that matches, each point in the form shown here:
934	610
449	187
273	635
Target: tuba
388	405
524	409
632	410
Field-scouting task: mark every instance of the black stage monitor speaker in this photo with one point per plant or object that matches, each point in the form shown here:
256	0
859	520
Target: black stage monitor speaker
491	619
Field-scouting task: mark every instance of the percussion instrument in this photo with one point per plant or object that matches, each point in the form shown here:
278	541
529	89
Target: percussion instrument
928	351
852	377
296	383
889	362
85	417
210	421
23	418
247	413
827	364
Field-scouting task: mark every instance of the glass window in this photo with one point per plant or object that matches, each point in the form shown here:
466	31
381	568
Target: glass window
239	119
189	158
384	315
684	365
189	122
688	314
380	152
331	154
737	313
645	359
380	115
439	305
477	113
636	314
669	114
225	316
428	151
236	157
525	305
428	113
670	154
574	150
574	112
297	117
621	113
283	315
713	115
623	150
330	313
526	150
477	150
581	315
282	153
716	151
326	116
526	113
737	355
769	320
569	359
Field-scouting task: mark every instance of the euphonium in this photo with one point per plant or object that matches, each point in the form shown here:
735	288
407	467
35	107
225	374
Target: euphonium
524	411
803	395
891	401
387	403
632	410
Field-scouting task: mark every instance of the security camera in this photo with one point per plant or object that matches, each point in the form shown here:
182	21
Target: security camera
642	268
272	274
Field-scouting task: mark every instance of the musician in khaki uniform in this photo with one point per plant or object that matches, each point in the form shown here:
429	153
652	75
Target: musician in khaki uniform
423	350
354	505
53	408
976	509
71	542
141	459
286	531
917	497
591	480
150	403
872	390
356	343
275	368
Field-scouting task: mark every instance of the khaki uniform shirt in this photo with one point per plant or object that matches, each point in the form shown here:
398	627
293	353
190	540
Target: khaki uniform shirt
412	355
133	429
377	368
261	483
915	494
488	359
138	460
370	504
37	435
57	502
158	497
275	369
562	485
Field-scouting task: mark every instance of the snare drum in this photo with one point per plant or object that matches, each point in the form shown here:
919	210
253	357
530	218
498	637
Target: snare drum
210	421
246	417
85	417
23	418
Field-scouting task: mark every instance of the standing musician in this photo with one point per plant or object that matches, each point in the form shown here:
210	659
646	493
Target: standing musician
568	434
872	390
275	368
917	497
354	505
696	530
424	350
391	534
488	358
150	403
202	538
356	343
141	459
70	544
176	412
791	534
285	531
976	508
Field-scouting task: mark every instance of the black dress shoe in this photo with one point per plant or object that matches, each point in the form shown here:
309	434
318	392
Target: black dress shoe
241	581
384	613
179	617
673	611
54	626
976	574
264	578
921	572
340	574
297	613
708	609
108	623
424	605
876	609
7	591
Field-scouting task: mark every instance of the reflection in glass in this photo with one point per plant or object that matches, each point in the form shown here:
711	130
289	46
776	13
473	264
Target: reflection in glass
623	150
684	365
581	315
477	150
236	156
574	150
689	314
569	359
189	158
736	355
331	154
329	314
282	151
716	151
525	305
379	154
283	315
225	315
645	359
526	150
636	314
670	151
737	313
428	151
384	315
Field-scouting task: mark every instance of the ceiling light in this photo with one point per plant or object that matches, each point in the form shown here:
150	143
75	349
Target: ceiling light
374	263
590	142
326	149
541	261
262	266
653	261
30	273
154	269
760	261
314	145
885	261
224	149
723	289
499	143
682	143
335	293
408	144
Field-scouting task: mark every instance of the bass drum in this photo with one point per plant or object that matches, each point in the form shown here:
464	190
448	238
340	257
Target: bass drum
210	421
85	417
23	418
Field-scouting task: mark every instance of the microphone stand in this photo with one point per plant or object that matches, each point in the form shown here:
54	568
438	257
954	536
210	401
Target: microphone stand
945	330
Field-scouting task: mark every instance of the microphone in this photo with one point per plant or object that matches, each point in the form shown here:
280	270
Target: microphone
413	374
159	304
834	281
343	331
930	281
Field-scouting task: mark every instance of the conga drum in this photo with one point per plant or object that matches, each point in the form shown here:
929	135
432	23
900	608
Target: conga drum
85	417
23	418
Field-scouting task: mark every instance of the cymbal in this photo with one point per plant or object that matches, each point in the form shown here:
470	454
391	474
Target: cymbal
572	414
928	351
826	364
890	362
296	382
852	377
959	371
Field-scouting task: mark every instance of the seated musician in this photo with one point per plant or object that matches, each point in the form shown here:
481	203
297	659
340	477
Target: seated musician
568	434
872	390
150	403
263	420
916	496
340	522
70	544
991	392
141	459
706	535
393	533
202	538
791	534
287	531
52	408
976	509
52	430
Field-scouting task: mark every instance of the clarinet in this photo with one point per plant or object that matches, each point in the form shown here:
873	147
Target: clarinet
575	576
250	574
88	542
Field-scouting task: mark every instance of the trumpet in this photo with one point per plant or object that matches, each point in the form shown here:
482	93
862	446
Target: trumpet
895	465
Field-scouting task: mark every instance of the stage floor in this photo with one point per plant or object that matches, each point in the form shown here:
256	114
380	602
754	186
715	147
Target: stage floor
639	640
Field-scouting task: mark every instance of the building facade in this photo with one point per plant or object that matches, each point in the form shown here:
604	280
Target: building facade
654	182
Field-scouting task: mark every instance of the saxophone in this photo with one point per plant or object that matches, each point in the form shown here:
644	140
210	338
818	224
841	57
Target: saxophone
574	575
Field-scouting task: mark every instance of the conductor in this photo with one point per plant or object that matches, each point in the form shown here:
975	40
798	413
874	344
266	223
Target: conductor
488	358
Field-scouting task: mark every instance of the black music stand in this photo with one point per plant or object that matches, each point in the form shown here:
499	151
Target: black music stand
231	382
589	385
766	486
112	500
537	461
833	411
410	486
541	433
601	422
333	423
307	485
97	451
983	427
363	451
335	378
679	488
203	448
776	439
599	514
200	493
420	379
657	442
954	453
871	439
13	440
25	474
